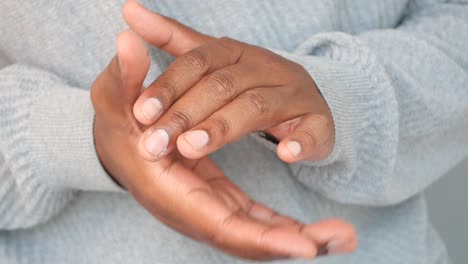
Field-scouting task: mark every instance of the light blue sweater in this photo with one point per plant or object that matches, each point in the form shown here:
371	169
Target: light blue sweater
394	73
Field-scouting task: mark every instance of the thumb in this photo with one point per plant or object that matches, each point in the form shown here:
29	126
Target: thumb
162	32
119	85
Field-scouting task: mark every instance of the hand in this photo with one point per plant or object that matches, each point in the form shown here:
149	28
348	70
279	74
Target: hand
193	196
219	90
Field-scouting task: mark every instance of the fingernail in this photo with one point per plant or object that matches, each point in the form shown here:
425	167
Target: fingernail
294	147
156	143
151	108
336	247
198	139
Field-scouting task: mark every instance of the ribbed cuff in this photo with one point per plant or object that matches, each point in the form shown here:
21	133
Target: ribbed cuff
52	125
335	82
363	105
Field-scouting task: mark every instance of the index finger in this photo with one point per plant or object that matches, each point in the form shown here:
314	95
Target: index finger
182	74
165	33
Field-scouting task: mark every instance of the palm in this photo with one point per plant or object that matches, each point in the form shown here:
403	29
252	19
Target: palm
197	199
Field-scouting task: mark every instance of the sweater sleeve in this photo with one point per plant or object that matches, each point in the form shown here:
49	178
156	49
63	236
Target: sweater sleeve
47	153
399	100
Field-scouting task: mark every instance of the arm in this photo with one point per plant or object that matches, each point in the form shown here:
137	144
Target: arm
46	146
399	102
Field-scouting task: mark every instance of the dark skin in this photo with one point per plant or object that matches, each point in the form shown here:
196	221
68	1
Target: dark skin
193	196
219	90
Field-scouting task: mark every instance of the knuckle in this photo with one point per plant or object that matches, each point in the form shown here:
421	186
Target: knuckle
232	47
283	71
225	226
259	103
227	43
322	122
169	90
218	236
297	73
317	136
273	61
296	66
181	120
226	40
196	60
308	139
222	125
326	137
222	84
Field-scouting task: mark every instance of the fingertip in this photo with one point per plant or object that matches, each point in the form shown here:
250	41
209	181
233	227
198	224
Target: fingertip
353	245
337	236
132	7
134	63
138	18
186	149
289	150
147	110
131	47
153	144
123	41
129	8
282	240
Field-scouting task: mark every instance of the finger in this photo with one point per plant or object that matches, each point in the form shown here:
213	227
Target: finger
184	73
333	236
253	240
235	195
229	229
118	86
269	216
255	109
236	198
157	141
327	237
312	138
134	65
234	232
187	200
165	33
206	97
283	130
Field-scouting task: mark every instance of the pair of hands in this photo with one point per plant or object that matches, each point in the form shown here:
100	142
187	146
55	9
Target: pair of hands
155	142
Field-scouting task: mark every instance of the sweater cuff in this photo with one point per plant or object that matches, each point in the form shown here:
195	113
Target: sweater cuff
359	94
335	82
52	125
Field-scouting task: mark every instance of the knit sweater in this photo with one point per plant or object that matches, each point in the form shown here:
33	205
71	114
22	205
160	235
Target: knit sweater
394	74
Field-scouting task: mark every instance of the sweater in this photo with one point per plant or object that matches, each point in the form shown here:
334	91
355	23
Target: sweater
394	74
